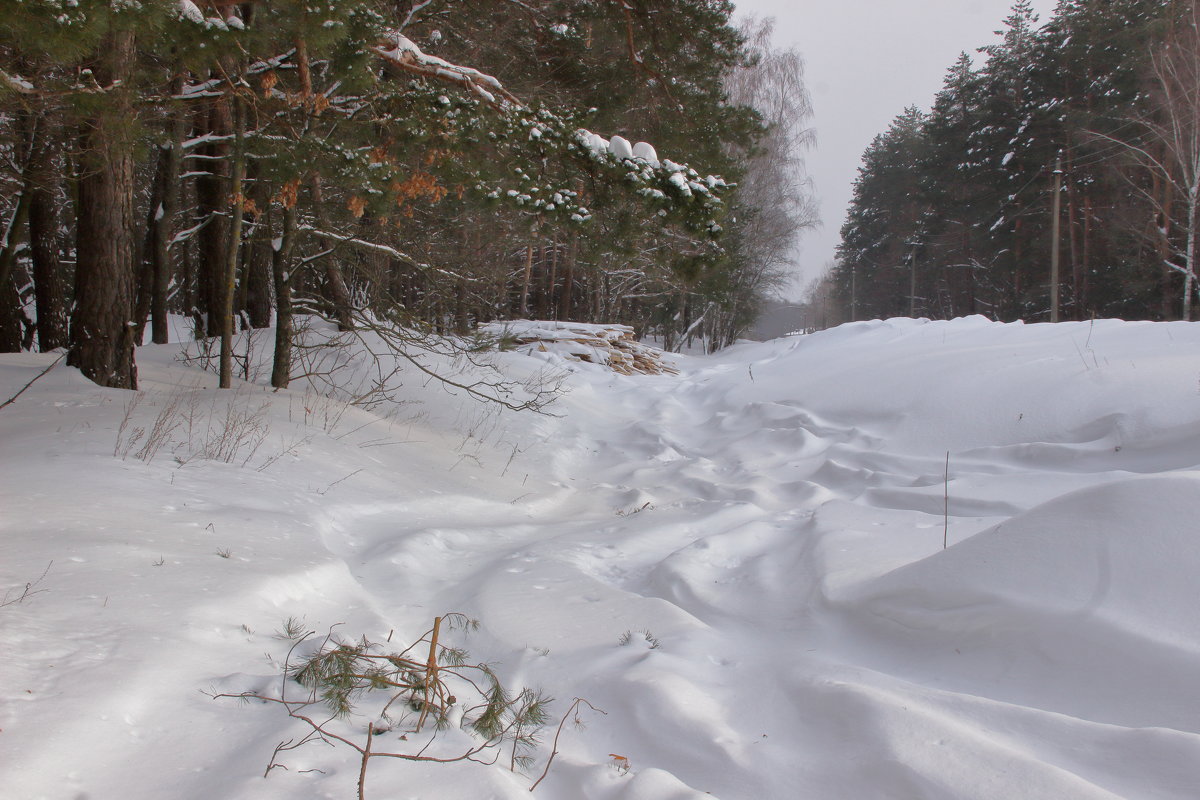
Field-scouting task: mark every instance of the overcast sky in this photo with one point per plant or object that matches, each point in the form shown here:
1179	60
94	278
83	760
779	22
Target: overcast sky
865	60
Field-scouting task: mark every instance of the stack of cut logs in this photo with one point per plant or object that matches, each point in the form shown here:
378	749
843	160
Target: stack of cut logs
612	346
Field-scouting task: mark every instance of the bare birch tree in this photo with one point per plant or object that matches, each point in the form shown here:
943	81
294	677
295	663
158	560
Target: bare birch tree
774	200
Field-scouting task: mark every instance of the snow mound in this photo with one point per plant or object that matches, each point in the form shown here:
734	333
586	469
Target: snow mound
1123	553
741	564
932	386
1091	594
609	346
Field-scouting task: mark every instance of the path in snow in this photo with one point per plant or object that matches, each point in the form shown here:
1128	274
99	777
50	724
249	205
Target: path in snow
792	565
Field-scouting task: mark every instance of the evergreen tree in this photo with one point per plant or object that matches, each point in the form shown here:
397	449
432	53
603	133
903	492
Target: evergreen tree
317	158
885	228
1077	92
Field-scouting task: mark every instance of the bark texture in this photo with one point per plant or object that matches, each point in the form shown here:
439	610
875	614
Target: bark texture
102	330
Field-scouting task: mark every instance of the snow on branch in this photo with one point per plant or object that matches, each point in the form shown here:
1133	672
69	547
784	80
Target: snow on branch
16	83
643	158
400	51
190	12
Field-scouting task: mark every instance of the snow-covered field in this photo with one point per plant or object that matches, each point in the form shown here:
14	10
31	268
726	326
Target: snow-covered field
742	565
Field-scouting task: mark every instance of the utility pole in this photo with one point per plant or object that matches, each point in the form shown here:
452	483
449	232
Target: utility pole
1055	235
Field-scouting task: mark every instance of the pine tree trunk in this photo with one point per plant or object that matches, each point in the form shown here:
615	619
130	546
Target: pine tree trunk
211	198
523	308
146	253
101	332
462	323
233	251
281	370
8	245
1164	196
38	203
258	261
566	301
11	317
47	270
337	293
258	280
164	226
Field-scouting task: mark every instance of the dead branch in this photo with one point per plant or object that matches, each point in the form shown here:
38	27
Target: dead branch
574	709
12	399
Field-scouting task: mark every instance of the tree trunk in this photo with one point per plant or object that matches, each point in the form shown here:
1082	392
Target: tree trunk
523	308
337	293
236	209
8	245
462	322
1189	278
11	319
566	301
47	270
211	199
101	331
164	225
146	253
281	370
258	277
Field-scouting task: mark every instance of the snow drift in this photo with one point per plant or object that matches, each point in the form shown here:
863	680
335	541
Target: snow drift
741	564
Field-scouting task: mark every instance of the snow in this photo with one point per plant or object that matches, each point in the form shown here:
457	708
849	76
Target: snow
403	51
742	564
645	151
190	11
682	184
620	147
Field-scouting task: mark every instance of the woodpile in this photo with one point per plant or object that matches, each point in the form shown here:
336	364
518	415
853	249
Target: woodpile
613	346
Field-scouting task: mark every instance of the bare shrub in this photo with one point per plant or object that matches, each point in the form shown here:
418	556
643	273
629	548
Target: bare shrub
230	428
152	438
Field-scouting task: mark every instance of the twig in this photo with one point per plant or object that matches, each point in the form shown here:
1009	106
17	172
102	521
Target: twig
574	709
339	480
29	590
10	400
946	506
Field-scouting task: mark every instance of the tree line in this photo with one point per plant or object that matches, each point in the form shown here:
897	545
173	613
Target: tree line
425	164
1060	179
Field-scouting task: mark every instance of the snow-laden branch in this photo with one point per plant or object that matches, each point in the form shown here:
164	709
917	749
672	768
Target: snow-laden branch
401	52
16	83
190	12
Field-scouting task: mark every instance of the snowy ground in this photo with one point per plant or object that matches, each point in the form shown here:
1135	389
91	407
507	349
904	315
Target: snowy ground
742	565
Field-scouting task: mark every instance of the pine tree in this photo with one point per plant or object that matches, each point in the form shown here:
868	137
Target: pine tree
885	227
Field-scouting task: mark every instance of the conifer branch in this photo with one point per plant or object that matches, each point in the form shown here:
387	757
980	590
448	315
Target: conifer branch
17	84
399	51
341	675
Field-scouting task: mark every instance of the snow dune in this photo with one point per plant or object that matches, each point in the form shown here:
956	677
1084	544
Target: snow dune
742	565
